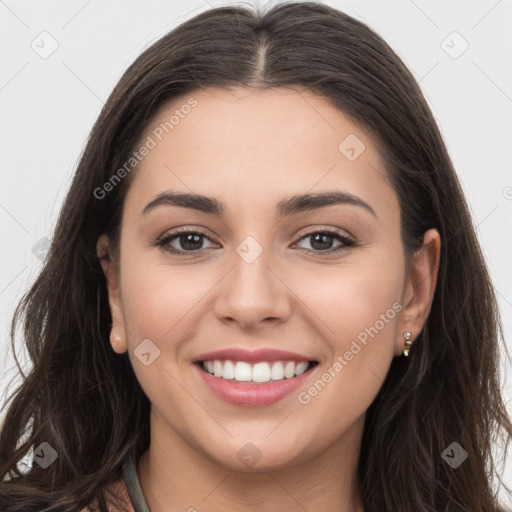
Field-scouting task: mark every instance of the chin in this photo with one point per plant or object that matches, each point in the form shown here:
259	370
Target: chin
256	457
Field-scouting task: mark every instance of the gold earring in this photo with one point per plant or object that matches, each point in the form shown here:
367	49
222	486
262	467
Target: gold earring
408	343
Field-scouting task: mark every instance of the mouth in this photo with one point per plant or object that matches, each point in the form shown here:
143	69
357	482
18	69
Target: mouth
256	384
262	372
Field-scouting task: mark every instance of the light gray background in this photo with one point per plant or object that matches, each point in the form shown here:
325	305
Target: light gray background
48	106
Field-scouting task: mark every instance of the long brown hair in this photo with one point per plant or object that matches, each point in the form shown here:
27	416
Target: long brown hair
85	401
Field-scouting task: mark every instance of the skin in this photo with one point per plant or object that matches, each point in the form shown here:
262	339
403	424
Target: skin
250	150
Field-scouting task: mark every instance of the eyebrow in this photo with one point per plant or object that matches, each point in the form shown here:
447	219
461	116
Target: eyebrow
289	206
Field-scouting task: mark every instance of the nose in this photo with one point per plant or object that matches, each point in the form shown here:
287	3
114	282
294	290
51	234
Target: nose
253	293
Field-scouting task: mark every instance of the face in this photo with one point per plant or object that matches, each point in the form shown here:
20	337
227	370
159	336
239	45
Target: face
307	298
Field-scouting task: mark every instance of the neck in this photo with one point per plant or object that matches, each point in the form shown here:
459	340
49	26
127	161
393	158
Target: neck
176	477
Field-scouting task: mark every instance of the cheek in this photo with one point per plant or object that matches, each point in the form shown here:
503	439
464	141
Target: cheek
353	298
361	306
159	303
158	297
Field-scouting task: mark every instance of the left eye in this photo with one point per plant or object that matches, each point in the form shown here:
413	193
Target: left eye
322	238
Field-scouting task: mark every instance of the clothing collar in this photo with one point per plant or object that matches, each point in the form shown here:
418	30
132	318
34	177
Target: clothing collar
133	484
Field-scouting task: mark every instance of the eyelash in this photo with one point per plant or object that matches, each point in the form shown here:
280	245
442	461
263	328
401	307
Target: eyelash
163	242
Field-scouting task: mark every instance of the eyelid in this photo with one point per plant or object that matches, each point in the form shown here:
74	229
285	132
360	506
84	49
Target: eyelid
311	230
183	230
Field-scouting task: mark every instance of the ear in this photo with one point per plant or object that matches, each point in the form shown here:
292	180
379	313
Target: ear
419	287
110	267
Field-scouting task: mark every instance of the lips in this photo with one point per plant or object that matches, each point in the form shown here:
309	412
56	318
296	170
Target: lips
252	356
253	378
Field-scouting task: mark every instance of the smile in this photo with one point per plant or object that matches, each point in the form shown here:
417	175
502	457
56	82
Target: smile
253	385
242	371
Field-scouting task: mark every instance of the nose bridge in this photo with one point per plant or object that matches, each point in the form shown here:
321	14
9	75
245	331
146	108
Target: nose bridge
252	279
252	292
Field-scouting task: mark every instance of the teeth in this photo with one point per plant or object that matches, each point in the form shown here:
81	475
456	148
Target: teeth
217	368
277	372
243	371
229	370
258	372
261	372
289	369
301	367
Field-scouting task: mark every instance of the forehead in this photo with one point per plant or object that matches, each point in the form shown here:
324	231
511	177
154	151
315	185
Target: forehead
251	147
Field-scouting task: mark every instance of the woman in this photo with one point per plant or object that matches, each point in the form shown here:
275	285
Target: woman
264	222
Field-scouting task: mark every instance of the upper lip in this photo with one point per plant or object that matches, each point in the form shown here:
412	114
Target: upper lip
252	356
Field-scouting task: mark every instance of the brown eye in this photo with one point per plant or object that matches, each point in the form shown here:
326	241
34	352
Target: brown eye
188	242
322	241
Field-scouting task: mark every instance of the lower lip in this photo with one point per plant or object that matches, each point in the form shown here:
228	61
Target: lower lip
253	395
